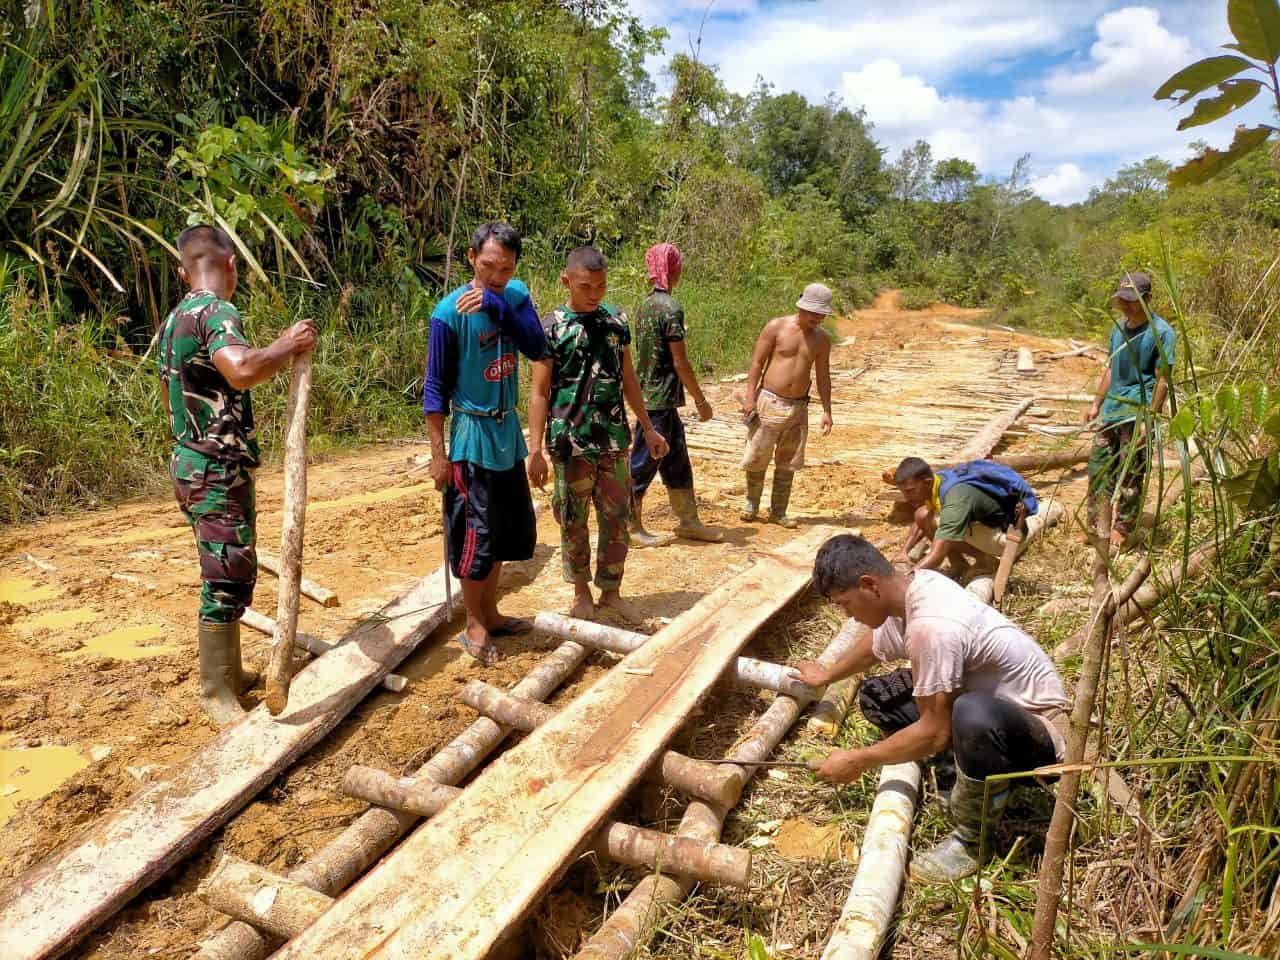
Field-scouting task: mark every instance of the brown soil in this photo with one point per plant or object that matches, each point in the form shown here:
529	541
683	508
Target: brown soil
128	574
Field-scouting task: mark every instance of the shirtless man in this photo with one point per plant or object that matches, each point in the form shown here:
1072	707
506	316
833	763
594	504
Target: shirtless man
776	404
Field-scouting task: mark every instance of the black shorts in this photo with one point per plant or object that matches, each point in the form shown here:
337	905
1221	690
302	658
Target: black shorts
488	518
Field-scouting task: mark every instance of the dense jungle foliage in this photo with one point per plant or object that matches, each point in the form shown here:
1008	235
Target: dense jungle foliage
350	146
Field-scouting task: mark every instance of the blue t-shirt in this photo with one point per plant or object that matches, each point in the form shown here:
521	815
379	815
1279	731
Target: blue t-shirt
473	375
1137	356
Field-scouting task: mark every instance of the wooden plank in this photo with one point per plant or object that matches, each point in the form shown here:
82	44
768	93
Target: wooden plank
466	878
56	903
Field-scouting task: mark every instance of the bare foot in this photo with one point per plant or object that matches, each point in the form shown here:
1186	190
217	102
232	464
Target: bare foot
623	608
1118	539
584	605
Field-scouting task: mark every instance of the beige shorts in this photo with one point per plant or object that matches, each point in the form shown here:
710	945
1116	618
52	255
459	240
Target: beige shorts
986	539
778	432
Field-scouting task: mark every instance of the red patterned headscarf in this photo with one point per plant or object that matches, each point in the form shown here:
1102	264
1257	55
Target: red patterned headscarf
663	261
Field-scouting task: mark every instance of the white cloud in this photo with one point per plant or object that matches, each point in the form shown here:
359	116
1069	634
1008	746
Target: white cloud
1132	49
1065	184
978	79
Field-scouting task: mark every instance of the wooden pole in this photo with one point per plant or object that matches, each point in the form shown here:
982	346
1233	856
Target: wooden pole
375	831
312	645
634	846
873	897
280	668
745	670
321	595
708	781
830	711
1057	840
273	903
988	438
640	913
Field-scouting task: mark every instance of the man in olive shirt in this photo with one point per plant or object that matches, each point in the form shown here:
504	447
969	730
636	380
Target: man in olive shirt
662	364
964	511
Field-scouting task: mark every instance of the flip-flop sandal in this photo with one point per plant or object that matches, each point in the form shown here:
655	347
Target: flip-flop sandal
512	627
486	653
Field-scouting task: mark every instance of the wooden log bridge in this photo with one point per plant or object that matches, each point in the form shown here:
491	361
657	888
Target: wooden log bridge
59	901
463	882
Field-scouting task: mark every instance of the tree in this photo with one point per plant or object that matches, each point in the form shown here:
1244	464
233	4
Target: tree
1146	176
953	180
910	175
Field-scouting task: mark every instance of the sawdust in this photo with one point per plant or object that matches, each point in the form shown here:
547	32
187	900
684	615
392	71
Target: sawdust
801	839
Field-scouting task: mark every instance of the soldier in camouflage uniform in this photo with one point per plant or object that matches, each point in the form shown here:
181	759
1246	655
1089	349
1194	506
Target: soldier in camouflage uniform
576	405
662	365
206	368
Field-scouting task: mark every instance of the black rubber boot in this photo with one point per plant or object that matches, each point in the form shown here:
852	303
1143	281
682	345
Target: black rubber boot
220	675
780	498
755	490
690	526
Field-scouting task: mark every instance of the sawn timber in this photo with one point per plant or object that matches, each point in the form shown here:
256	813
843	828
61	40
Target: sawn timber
464	880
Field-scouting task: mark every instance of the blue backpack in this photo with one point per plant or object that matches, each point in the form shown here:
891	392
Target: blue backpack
1003	484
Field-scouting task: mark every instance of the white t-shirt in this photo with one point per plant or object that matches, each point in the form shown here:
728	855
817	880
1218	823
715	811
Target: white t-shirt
955	642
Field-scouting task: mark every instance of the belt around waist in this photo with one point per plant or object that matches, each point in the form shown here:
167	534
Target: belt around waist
778	396
498	415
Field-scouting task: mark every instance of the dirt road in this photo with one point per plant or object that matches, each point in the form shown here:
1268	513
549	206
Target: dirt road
98	687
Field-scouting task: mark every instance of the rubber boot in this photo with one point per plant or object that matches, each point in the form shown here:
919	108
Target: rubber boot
780	497
685	506
245	679
755	490
220	671
956	857
640	537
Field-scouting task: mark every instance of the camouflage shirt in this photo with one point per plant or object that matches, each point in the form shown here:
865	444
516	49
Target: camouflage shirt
206	414
586	416
661	321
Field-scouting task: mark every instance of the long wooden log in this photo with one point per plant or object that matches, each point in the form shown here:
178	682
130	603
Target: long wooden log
873	897
376	830
831	709
312	645
56	903
464	881
280	666
988	438
634	846
321	595
1149	595
641	912
707	781
276	904
747	671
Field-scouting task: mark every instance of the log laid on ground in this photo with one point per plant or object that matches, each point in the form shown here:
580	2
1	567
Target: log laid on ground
1026	360
988	438
274	903
637	915
321	595
983	586
56	903
280	667
627	844
376	830
463	882
873	897
707	781
1155	590
745	670
831	709
312	645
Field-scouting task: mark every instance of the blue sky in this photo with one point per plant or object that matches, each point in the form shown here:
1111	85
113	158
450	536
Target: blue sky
1068	81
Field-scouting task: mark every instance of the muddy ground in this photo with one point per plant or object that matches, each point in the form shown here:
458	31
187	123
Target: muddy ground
99	692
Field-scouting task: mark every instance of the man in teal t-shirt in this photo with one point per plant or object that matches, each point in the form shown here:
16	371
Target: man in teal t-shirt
1135	383
472	377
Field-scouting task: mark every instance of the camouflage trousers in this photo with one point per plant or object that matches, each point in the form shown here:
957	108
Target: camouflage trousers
607	484
217	499
1115	462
